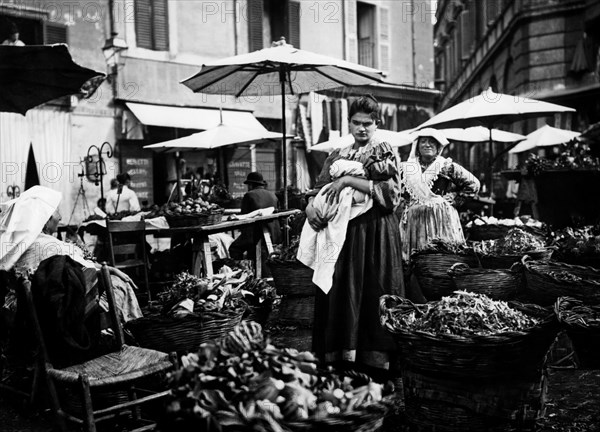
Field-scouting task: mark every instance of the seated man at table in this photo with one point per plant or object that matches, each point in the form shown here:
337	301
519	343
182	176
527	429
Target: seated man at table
122	198
257	197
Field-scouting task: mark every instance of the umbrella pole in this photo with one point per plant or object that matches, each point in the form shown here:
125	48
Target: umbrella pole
491	170
286	239
178	176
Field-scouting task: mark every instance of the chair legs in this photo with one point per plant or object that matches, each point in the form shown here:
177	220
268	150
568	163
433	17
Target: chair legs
89	423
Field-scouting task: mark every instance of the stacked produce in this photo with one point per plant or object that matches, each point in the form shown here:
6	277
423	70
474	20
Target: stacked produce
440	246
517	241
518	221
188	206
464	314
113	216
577	241
245	383
576	155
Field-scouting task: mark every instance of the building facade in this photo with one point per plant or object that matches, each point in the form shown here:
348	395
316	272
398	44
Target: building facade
540	49
142	101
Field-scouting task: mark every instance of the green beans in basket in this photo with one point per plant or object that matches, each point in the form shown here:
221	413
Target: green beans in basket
469	335
582	323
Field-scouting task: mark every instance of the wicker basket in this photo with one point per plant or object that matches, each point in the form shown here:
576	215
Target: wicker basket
260	314
582	260
291	277
369	418
471	357
584	333
501	284
545	282
184	334
506	261
451	405
187	220
293	281
431	270
215	217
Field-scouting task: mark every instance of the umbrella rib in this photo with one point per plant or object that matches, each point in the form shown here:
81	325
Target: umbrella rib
330	77
245	86
214	81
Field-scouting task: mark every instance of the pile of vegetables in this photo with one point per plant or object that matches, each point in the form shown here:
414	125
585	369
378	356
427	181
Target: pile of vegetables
516	222
286	253
465	314
226	289
516	241
577	241
189	206
575	155
440	246
245	383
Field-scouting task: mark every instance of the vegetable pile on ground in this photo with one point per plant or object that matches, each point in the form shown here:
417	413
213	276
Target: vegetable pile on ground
465	314
245	383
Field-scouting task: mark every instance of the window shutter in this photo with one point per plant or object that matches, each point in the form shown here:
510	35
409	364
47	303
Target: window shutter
55	33
384	39
294	23
467	29
160	19
255	25
143	23
351	31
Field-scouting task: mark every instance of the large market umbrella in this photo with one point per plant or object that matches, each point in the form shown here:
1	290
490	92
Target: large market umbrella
395	139
219	136
280	69
33	75
490	109
477	134
545	136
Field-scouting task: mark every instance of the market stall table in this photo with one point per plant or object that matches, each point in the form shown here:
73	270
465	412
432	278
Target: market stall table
201	244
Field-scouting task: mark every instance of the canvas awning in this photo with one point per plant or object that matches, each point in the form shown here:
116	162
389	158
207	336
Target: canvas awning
190	118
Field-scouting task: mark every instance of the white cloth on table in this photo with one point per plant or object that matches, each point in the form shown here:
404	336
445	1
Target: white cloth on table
320	250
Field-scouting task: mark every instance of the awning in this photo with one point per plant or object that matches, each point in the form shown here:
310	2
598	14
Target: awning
190	118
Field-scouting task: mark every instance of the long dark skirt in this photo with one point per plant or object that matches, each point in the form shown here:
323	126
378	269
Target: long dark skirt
369	265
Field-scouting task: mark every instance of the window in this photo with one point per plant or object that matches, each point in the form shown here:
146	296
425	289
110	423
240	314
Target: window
366	34
269	20
33	28
152	24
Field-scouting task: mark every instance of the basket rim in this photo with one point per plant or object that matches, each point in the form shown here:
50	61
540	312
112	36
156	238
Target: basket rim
532	266
563	311
501	337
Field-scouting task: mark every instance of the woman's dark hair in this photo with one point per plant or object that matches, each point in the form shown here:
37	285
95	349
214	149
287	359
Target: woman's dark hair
365	104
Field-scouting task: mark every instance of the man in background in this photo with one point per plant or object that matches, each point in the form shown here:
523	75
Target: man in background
257	197
122	198
13	36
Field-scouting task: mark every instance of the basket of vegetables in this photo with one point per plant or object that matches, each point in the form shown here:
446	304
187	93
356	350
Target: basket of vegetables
431	264
469	335
260	297
245	383
546	281
191	212
191	311
498	284
504	252
582	323
579	246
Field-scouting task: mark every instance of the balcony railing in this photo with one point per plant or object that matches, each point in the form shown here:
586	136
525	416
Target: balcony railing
366	52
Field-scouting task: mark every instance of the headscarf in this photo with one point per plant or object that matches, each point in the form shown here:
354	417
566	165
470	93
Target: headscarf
417	183
22	220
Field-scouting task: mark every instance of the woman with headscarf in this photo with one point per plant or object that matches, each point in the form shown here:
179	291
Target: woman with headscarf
433	186
26	227
368	260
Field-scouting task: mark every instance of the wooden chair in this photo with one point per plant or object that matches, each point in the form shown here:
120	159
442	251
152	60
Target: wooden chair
127	247
122	370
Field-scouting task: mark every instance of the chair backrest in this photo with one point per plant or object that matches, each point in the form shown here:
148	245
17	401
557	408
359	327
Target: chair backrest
43	359
126	239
